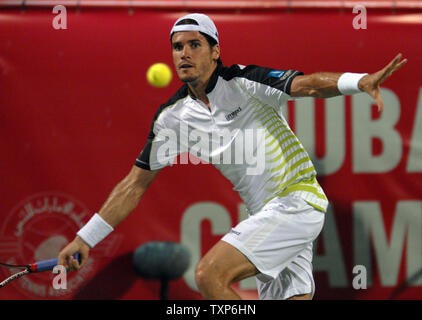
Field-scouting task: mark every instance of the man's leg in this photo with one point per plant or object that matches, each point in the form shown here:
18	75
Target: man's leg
307	296
222	266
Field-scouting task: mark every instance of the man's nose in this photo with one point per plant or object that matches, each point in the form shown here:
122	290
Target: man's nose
185	52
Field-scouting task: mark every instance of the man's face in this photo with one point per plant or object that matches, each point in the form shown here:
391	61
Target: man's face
192	56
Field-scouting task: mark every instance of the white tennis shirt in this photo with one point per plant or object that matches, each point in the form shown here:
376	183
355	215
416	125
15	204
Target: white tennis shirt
243	134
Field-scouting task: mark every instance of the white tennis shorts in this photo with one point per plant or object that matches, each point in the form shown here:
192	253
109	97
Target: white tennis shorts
278	241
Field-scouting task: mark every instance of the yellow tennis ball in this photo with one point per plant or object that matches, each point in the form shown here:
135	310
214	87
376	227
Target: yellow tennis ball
159	75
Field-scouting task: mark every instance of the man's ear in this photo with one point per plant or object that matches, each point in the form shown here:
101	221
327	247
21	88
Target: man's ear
216	52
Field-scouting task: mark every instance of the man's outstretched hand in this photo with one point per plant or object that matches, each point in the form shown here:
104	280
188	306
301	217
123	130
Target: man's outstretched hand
371	82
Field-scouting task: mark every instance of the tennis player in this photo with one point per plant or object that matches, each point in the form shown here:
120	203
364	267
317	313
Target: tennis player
286	205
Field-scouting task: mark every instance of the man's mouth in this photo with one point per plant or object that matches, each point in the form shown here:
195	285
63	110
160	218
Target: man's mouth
185	66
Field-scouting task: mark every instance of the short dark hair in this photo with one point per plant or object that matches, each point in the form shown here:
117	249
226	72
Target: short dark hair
187	21
211	41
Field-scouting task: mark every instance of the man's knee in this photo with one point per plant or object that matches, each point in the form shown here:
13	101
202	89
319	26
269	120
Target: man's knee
222	266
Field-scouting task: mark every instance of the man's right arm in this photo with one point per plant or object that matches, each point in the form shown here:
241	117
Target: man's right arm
121	202
126	195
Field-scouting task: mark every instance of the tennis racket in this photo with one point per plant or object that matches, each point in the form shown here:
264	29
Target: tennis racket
35	267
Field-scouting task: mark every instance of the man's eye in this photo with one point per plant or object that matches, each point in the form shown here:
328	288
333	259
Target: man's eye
177	47
195	45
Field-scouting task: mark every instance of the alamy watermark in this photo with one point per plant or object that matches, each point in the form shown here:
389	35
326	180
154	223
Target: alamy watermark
360	21
60	20
239	146
60	281
360	279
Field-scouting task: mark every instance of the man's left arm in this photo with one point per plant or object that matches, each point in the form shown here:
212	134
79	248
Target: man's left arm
330	84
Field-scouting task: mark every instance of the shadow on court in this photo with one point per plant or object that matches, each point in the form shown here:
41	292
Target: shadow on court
112	282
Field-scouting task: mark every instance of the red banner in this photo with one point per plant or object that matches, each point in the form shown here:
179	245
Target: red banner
75	110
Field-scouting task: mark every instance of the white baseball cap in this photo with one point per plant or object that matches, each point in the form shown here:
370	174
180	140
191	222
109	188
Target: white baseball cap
204	25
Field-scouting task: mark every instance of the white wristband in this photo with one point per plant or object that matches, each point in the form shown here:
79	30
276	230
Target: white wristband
95	230
348	83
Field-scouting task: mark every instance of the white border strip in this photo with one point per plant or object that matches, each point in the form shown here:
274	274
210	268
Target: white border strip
219	4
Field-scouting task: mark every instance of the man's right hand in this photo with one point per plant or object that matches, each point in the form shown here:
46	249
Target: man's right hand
66	258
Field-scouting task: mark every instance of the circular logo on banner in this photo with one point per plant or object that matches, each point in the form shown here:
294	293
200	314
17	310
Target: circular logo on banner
37	229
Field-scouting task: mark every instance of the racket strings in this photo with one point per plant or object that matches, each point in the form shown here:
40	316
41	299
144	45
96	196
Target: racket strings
13	277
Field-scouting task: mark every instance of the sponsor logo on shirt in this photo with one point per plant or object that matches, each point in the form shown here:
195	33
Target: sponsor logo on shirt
233	114
281	74
235	232
276	73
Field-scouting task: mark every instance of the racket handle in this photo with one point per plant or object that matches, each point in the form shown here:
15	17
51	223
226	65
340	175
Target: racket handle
46	265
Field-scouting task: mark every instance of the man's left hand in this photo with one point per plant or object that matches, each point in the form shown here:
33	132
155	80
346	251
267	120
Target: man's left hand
371	82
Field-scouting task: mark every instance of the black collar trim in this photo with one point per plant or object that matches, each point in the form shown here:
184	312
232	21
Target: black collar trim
212	82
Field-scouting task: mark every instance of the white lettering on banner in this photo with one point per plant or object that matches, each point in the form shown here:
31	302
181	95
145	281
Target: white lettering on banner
334	132
368	224
249	146
366	129
191	237
332	260
191	231
414	163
